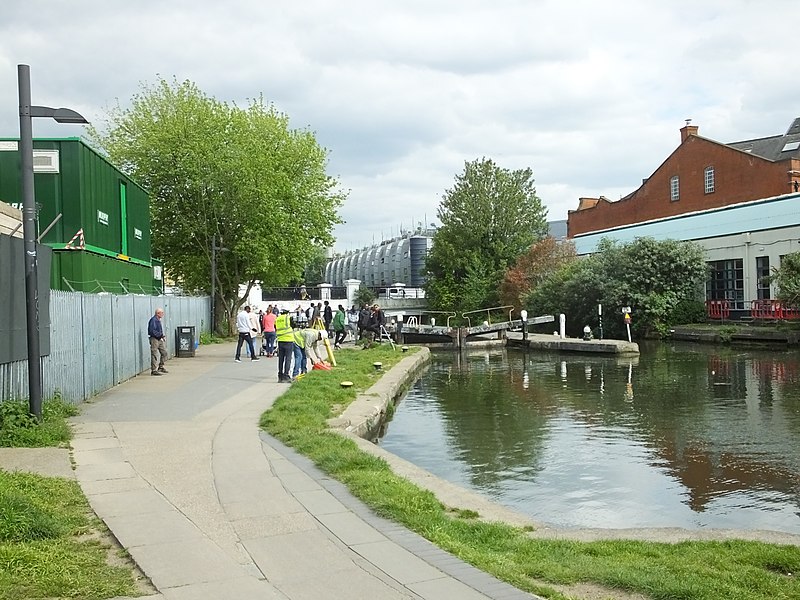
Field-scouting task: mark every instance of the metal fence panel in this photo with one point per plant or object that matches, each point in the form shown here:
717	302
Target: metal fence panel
98	351
62	369
99	341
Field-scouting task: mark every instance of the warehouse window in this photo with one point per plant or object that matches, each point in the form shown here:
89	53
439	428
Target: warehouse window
762	277
726	282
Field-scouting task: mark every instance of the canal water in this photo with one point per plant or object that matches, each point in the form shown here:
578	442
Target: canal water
683	435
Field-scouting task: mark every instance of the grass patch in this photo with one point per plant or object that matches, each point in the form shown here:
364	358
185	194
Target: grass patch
43	550
19	429
683	571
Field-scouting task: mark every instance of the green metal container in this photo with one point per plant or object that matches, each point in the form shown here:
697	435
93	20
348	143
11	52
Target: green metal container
104	214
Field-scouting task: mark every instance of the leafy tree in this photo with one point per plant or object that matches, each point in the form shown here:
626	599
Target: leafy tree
364	296
314	271
653	277
489	217
787	278
530	269
214	169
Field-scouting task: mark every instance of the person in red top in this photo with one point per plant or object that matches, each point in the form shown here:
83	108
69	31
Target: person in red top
268	326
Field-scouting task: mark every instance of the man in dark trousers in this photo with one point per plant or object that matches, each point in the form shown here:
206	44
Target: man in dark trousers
327	315
158	347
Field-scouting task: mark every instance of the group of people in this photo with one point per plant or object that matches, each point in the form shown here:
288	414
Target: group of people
291	336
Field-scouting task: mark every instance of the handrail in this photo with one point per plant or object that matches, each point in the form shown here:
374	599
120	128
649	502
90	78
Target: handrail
480	310
441	312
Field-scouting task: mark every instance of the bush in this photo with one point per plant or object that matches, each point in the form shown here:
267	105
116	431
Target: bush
688	311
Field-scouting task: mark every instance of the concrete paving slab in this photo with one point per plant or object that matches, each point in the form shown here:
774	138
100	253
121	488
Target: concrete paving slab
99	456
122	470
152	528
278	505
49	462
297	481
296	556
397	562
320	502
256	527
350	529
352	584
106	486
130	502
94	443
445	588
183	563
241	588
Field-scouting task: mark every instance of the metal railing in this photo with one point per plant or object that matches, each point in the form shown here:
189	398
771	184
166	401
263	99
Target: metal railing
488	311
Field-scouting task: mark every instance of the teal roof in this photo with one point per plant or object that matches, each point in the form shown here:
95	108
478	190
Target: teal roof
757	215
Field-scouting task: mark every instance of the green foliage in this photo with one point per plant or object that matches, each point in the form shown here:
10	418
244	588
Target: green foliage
688	311
489	218
787	278
652	277
240	174
18	428
687	570
364	296
41	555
541	260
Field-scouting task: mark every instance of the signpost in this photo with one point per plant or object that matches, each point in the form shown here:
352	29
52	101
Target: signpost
600	317
626	310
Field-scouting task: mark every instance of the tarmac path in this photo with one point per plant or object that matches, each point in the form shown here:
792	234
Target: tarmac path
211	507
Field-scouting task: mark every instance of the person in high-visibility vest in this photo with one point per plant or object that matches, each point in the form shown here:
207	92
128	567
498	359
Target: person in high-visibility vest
285	335
305	348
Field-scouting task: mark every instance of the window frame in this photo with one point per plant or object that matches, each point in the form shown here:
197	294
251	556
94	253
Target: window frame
709	180
674	188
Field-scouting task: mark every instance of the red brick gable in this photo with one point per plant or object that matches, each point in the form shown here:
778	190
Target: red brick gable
738	177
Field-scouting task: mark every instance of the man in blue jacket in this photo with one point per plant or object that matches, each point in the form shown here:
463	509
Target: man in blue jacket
158	348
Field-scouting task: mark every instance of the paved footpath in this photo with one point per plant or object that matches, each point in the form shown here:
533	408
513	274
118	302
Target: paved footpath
211	507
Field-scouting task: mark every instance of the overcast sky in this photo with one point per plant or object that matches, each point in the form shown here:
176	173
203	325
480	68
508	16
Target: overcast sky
590	95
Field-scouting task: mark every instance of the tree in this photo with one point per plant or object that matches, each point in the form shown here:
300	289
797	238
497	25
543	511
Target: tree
364	296
787	278
489	217
542	259
215	170
652	277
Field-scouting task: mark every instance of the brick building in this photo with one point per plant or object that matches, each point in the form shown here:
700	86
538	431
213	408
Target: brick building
739	201
700	174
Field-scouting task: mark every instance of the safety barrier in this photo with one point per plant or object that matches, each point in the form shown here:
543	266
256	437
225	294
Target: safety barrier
718	309
773	310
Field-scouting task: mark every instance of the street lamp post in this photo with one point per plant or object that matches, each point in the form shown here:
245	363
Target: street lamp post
26	113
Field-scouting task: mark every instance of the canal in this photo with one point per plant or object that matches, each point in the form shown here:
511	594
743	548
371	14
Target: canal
683	435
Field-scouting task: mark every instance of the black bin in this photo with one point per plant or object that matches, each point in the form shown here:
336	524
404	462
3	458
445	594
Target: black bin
184	341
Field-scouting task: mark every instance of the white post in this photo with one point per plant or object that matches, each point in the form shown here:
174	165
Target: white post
562	326
352	286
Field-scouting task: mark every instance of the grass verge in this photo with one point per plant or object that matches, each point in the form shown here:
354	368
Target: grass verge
18	429
50	541
47	548
683	571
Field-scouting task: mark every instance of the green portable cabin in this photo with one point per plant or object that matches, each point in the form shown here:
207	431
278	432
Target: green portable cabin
101	241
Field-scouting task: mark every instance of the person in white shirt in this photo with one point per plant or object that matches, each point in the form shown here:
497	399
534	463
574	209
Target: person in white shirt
245	328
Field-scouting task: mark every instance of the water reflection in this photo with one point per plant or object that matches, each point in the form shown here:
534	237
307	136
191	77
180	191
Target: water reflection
686	436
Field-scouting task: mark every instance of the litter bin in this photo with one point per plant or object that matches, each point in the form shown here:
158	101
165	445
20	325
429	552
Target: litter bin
184	341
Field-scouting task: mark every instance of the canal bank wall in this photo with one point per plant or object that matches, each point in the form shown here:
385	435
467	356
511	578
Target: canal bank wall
736	334
552	343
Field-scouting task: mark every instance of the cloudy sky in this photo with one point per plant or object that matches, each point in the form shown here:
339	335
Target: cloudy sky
590	95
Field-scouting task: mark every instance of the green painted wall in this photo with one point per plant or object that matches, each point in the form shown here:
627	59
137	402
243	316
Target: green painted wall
93	195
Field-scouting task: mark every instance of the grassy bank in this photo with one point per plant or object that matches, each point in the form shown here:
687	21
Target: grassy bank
686	571
51	544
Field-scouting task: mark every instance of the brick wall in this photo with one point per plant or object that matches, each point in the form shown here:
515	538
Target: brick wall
738	177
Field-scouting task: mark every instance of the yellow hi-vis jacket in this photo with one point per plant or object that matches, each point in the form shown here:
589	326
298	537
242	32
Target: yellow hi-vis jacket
299	338
283	328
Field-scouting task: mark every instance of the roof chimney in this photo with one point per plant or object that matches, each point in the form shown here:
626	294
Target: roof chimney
688	130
